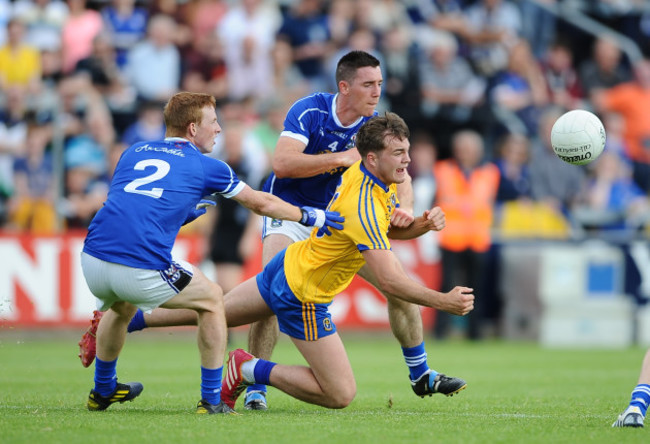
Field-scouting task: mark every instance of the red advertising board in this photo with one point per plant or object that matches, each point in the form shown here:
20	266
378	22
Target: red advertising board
41	284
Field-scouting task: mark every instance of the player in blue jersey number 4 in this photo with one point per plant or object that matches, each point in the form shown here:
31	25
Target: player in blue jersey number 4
127	262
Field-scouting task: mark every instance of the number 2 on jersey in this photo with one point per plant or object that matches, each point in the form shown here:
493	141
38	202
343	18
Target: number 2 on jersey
135	186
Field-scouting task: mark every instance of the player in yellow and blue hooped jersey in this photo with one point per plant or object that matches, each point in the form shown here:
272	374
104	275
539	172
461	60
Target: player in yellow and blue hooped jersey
299	283
318	269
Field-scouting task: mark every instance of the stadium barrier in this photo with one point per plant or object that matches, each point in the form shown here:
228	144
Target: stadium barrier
42	286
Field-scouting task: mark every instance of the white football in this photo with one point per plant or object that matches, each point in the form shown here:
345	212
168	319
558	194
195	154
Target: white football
578	137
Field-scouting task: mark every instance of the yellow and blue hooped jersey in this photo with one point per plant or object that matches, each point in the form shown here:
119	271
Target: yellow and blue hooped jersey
320	267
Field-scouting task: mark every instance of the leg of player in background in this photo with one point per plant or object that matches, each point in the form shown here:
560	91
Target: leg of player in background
111	335
263	334
635	413
406	325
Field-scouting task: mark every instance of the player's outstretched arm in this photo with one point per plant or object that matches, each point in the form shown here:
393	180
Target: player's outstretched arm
289	160
393	280
431	220
266	204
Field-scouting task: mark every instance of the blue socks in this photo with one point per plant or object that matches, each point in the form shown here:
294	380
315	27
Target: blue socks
211	384
641	397
256	388
105	376
262	372
416	360
137	322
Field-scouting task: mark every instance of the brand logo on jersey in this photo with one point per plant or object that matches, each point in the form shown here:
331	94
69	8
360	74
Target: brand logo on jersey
352	142
160	149
327	324
339	134
391	204
276	223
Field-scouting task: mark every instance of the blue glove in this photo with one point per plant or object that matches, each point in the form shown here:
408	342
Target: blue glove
314	217
204	204
199	210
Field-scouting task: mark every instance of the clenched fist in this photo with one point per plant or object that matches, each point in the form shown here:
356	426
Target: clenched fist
458	301
435	219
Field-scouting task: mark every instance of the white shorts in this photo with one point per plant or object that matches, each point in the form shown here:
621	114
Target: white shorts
146	289
293	230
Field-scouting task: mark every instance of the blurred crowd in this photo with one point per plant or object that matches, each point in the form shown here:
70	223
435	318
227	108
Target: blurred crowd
81	80
480	83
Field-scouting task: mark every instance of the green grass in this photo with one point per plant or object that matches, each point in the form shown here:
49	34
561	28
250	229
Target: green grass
517	393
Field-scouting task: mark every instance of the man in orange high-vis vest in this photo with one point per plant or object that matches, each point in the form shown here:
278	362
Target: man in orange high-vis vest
467	189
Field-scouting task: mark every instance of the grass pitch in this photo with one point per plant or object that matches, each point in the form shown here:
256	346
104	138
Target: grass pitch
517	393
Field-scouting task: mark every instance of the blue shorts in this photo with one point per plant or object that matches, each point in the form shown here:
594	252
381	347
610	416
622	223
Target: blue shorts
307	321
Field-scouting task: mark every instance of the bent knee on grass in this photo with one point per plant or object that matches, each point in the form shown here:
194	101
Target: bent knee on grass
341	397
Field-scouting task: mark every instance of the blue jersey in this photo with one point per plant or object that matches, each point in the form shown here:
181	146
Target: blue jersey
313	121
154	188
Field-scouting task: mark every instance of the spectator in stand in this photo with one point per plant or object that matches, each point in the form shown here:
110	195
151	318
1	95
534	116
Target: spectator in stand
104	73
155	54
424	154
305	28
182	13
150	125
202	16
443	15
126	24
288	81
32	206
20	63
13	134
512	160
341	15
605	68
493	26
466	192
554	183
520	88
562	81
51	75
79	101
78	32
44	20
206	70
610	200
539	27
383	15
271	123
86	181
450	90
247	33
632	101
401	70
614	124
6	14
517	214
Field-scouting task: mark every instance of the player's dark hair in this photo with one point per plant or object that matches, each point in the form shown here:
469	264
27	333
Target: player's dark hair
184	108
373	134
347	67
